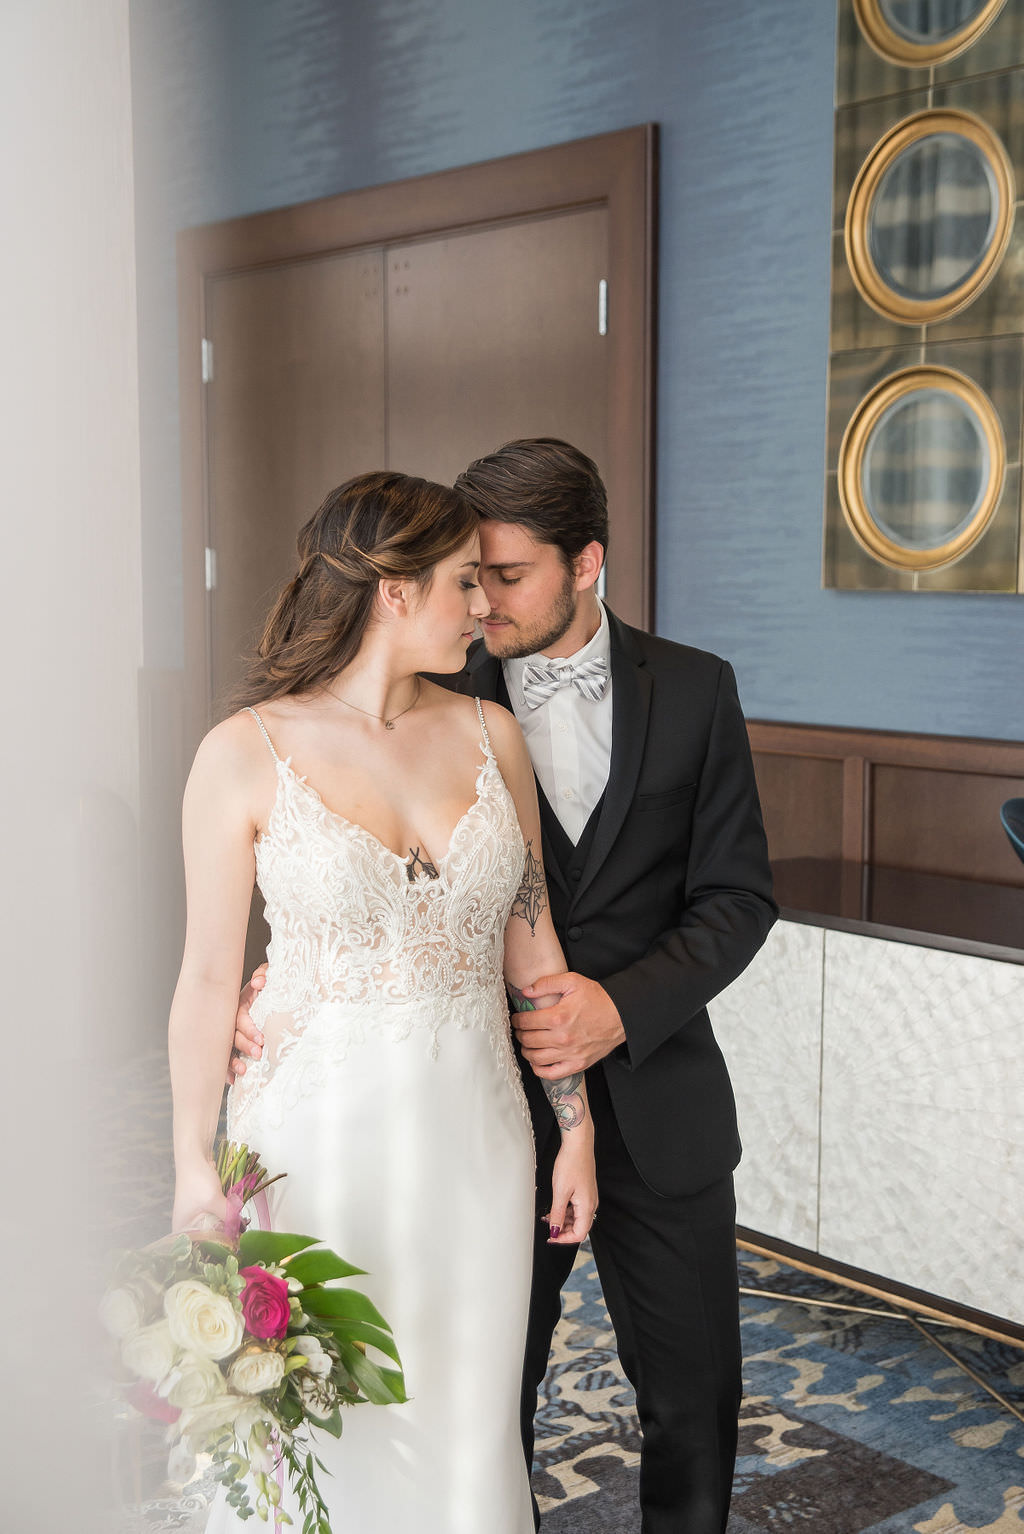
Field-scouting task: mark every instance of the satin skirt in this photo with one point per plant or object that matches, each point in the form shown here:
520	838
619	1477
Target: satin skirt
413	1157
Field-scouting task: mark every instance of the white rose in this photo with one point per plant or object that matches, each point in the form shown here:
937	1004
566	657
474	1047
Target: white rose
121	1312
317	1361
150	1352
256	1370
319	1397
201	1321
193	1381
202	1425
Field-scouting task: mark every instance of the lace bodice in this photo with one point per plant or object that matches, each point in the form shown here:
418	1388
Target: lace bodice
352	932
349	924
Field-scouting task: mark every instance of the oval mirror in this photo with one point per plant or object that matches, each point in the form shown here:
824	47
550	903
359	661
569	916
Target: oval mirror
921	468
929	216
929	21
933	216
919	33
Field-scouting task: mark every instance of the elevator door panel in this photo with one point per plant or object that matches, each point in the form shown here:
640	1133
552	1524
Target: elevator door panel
493	334
295	405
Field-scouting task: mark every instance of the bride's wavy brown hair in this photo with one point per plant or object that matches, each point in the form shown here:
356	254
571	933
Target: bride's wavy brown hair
379	526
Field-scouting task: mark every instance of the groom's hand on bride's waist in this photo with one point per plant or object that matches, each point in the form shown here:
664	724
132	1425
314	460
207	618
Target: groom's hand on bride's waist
248	1039
580	1028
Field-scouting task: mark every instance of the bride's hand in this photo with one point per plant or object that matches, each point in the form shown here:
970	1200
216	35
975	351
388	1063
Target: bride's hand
199	1202
573	1189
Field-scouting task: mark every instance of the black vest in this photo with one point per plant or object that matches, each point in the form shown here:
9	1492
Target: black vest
558	849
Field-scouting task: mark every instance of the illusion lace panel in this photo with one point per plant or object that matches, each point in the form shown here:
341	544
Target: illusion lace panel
356	944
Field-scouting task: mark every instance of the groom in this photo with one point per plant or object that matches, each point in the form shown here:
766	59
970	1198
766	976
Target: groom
660	891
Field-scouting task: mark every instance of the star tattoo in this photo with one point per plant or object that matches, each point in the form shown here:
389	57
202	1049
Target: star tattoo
531	896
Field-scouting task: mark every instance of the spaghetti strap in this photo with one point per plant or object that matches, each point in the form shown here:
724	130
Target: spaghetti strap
483	728
263	729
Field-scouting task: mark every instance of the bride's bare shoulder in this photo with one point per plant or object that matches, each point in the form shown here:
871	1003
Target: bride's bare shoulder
461	708
234	751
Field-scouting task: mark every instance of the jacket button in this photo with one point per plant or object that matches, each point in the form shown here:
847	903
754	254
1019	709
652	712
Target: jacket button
574	934
575	874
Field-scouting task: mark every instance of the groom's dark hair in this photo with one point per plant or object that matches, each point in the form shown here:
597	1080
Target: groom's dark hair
545	485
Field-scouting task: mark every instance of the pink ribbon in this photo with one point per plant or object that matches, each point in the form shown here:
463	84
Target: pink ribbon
262	1208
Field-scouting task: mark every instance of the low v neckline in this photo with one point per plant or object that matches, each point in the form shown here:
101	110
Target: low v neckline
285	766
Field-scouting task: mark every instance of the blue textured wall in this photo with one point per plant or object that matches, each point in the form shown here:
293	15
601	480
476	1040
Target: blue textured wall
249	104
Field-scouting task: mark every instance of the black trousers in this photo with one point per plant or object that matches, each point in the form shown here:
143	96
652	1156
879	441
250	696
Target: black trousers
668	1271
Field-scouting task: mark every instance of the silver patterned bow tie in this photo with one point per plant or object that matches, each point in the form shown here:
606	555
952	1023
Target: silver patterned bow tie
540	683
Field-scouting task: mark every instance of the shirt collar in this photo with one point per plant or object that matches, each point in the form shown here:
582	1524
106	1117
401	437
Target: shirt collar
597	648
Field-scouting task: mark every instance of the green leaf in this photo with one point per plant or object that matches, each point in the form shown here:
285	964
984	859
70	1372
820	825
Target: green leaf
213	1251
342	1302
331	1424
370	1378
270	1245
396	1380
362	1331
317	1267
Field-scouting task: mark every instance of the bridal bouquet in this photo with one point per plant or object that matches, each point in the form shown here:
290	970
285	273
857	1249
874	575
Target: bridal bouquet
235	1340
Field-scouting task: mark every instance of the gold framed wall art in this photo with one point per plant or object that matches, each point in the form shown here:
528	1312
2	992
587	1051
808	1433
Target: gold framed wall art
915	36
926	354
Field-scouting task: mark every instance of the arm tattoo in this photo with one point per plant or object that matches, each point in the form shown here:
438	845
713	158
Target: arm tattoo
531	897
563	1094
566	1102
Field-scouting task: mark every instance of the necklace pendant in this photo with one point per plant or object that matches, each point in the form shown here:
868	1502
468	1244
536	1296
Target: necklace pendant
389	724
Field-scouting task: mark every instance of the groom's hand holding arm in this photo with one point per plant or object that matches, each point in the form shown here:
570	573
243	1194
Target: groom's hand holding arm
580	1027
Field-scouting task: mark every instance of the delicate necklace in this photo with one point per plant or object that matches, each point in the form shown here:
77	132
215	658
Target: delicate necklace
389	724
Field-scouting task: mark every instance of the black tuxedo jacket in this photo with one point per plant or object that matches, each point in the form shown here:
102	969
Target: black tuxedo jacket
673	899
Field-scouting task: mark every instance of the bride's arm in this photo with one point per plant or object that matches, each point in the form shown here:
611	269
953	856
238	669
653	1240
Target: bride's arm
530	947
217	835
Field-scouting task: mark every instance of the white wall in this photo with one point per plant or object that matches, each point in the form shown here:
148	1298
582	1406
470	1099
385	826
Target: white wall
71	614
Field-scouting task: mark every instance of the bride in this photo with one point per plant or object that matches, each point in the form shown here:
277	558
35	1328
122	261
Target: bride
392	827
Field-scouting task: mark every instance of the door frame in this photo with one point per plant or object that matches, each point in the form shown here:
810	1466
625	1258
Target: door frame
617	170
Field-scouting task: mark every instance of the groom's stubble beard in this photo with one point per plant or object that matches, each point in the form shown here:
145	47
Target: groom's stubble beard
529	638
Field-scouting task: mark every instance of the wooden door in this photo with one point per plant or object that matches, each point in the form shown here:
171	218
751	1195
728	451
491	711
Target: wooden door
295	403
494	335
418	357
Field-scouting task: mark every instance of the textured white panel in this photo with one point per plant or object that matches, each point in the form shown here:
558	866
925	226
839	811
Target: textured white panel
768	1023
922	1119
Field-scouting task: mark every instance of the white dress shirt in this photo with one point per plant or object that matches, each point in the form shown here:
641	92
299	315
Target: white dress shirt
569	737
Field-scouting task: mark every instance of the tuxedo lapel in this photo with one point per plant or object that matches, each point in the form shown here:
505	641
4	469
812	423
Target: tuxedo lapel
631	706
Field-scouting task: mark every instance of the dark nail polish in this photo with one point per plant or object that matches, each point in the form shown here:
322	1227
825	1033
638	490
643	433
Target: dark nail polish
556	1230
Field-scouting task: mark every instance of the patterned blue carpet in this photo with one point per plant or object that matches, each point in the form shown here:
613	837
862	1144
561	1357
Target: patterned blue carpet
850	1423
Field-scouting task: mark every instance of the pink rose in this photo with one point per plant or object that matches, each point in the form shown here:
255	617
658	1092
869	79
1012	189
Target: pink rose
265	1303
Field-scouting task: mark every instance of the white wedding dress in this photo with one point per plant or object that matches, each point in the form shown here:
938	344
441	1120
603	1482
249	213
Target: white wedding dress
389	1094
